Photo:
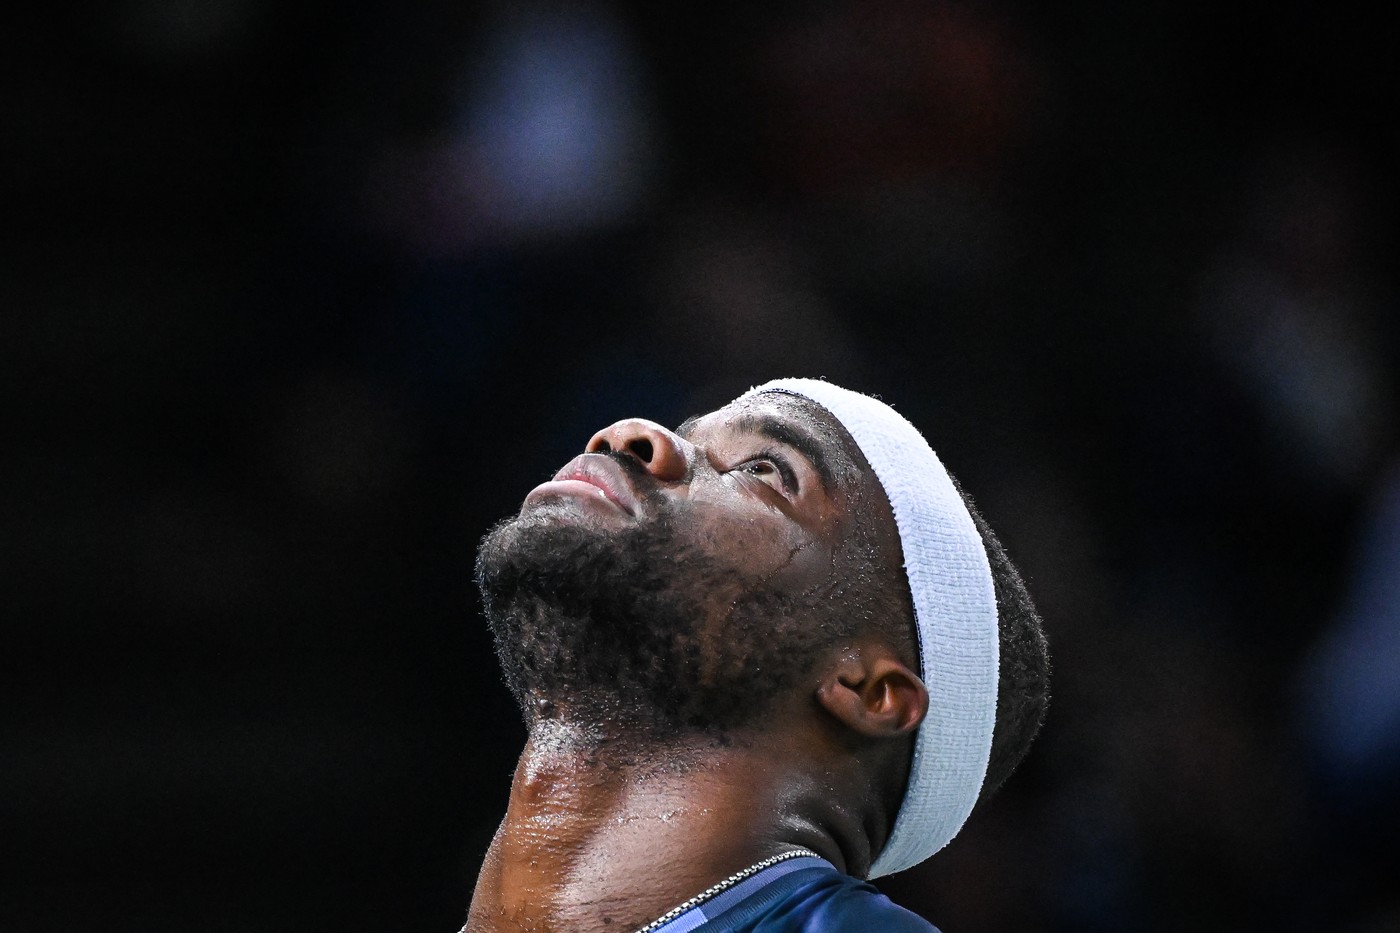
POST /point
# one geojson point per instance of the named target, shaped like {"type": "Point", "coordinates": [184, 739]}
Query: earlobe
{"type": "Point", "coordinates": [872, 693]}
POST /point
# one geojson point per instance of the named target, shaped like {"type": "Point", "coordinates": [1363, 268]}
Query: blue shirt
{"type": "Point", "coordinates": [799, 895]}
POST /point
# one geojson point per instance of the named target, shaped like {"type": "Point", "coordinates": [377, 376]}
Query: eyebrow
{"type": "Point", "coordinates": [784, 433]}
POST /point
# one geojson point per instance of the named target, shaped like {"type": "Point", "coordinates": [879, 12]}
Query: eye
{"type": "Point", "coordinates": [770, 465]}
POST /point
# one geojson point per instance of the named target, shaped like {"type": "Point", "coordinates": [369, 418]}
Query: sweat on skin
{"type": "Point", "coordinates": [709, 634]}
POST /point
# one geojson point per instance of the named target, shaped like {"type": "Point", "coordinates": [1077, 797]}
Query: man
{"type": "Point", "coordinates": [760, 658]}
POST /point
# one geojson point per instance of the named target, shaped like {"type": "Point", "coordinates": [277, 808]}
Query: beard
{"type": "Point", "coordinates": [643, 629]}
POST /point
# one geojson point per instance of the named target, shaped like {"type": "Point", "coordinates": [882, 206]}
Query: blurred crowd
{"type": "Point", "coordinates": [302, 299]}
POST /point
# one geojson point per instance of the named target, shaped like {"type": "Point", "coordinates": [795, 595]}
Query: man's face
{"type": "Point", "coordinates": [676, 581]}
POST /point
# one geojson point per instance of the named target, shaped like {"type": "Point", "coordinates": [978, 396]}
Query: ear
{"type": "Point", "coordinates": [871, 692]}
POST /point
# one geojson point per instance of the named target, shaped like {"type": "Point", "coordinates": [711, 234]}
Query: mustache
{"type": "Point", "coordinates": [647, 487]}
{"type": "Point", "coordinates": [629, 464]}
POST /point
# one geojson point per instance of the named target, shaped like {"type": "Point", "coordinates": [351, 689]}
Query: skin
{"type": "Point", "coordinates": [602, 836]}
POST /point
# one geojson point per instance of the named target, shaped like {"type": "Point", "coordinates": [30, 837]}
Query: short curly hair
{"type": "Point", "coordinates": [1023, 678]}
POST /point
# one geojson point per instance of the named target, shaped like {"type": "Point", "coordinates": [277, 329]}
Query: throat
{"type": "Point", "coordinates": [594, 843]}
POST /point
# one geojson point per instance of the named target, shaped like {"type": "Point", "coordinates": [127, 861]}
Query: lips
{"type": "Point", "coordinates": [591, 475]}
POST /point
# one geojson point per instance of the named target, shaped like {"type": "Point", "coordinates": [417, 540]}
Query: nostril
{"type": "Point", "coordinates": [642, 448]}
{"type": "Point", "coordinates": [602, 447]}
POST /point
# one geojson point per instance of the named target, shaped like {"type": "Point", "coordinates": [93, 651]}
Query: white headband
{"type": "Point", "coordinates": [955, 614]}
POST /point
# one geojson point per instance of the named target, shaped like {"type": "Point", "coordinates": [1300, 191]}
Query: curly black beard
{"type": "Point", "coordinates": [637, 629]}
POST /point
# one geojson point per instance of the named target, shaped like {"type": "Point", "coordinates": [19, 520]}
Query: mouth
{"type": "Point", "coordinates": [591, 477]}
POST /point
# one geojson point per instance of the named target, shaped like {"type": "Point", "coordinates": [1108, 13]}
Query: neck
{"type": "Point", "coordinates": [595, 840]}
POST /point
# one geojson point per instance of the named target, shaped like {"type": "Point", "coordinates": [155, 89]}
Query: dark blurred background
{"type": "Point", "coordinates": [300, 298]}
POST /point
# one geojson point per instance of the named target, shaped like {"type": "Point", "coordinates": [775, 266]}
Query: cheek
{"type": "Point", "coordinates": [761, 544]}
{"type": "Point", "coordinates": [728, 519]}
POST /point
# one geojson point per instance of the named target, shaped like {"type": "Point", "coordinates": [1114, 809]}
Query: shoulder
{"type": "Point", "coordinates": [827, 901]}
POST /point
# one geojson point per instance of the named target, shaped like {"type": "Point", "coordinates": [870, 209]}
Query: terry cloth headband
{"type": "Point", "coordinates": [955, 615]}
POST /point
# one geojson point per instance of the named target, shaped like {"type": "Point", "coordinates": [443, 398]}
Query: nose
{"type": "Point", "coordinates": [664, 454]}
